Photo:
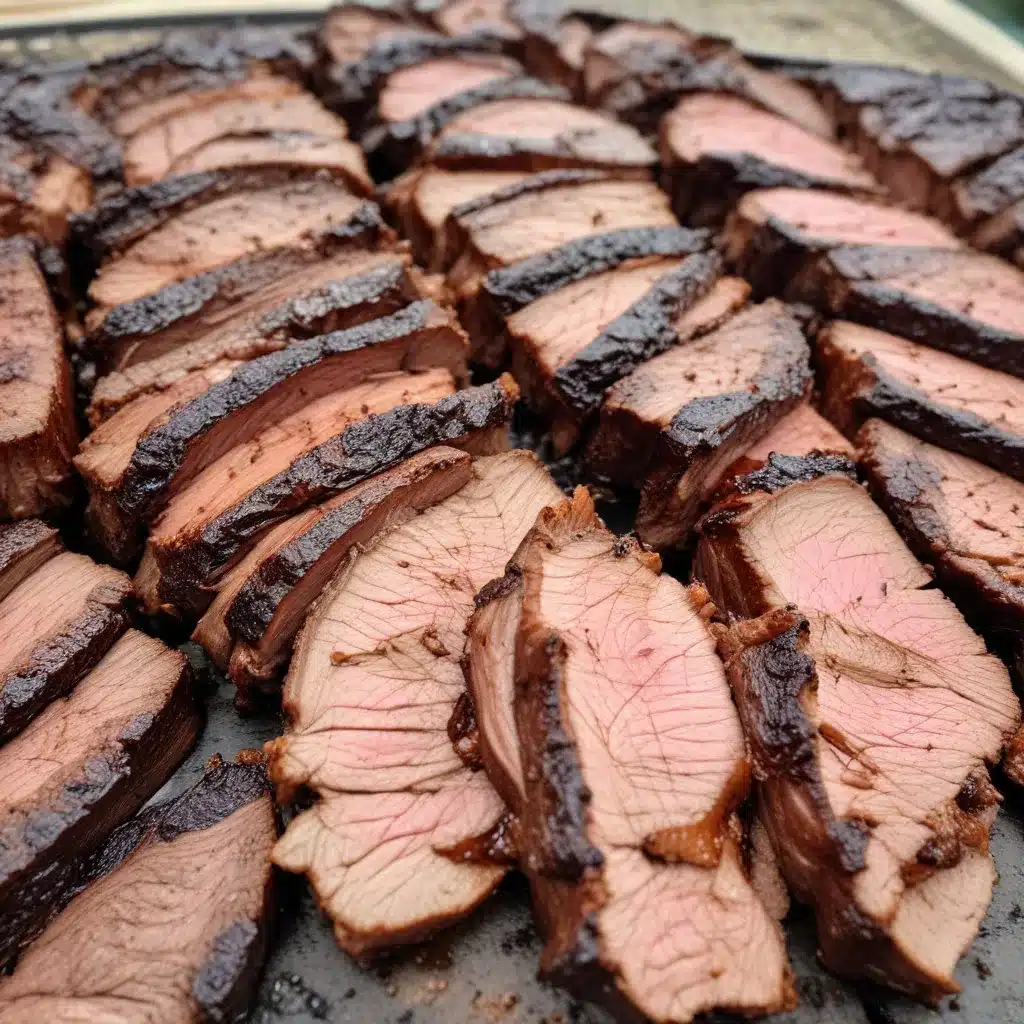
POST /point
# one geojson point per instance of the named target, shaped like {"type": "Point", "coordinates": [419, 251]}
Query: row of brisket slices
{"type": "Point", "coordinates": [284, 444]}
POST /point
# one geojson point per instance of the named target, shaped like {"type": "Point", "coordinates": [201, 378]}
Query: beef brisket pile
{"type": "Point", "coordinates": [774, 313]}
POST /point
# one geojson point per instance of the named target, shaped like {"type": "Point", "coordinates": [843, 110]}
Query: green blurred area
{"type": "Point", "coordinates": [1007, 14]}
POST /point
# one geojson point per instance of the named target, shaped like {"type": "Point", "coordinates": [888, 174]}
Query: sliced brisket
{"type": "Point", "coordinates": [960, 301]}
{"type": "Point", "coordinates": [84, 766]}
{"type": "Point", "coordinates": [38, 434]}
{"type": "Point", "coordinates": [24, 547]}
{"type": "Point", "coordinates": [632, 846]}
{"type": "Point", "coordinates": [348, 31]}
{"type": "Point", "coordinates": [674, 425]}
{"type": "Point", "coordinates": [942, 399]}
{"type": "Point", "coordinates": [1004, 234]}
{"type": "Point", "coordinates": [716, 147]}
{"type": "Point", "coordinates": [872, 711]}
{"type": "Point", "coordinates": [175, 926]}
{"type": "Point", "coordinates": [370, 693]}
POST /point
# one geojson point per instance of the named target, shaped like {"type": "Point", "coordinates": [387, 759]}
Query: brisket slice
{"type": "Point", "coordinates": [262, 602]}
{"type": "Point", "coordinates": [674, 425]}
{"type": "Point", "coordinates": [174, 925]}
{"type": "Point", "coordinates": [989, 192]}
{"type": "Point", "coordinates": [872, 711]}
{"type": "Point", "coordinates": [716, 147]}
{"type": "Point", "coordinates": [1004, 234]}
{"type": "Point", "coordinates": [57, 623]}
{"type": "Point", "coordinates": [24, 547]}
{"type": "Point", "coordinates": [186, 564]}
{"type": "Point", "coordinates": [960, 301]}
{"type": "Point", "coordinates": [630, 845]}
{"type": "Point", "coordinates": [941, 399]}
{"type": "Point", "coordinates": [553, 46]}
{"type": "Point", "coordinates": [38, 434]}
{"type": "Point", "coordinates": [348, 31]}
{"type": "Point", "coordinates": [958, 515]}
{"type": "Point", "coordinates": [370, 693]}
{"type": "Point", "coordinates": [774, 234]}
{"type": "Point", "coordinates": [84, 766]}
{"type": "Point", "coordinates": [220, 231]}
{"type": "Point", "coordinates": [276, 385]}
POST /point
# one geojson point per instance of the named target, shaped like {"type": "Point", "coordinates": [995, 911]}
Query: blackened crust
{"type": "Point", "coordinates": [780, 471]}
{"type": "Point", "coordinates": [24, 546]}
{"type": "Point", "coordinates": [557, 178]}
{"type": "Point", "coordinates": [500, 587]}
{"type": "Point", "coordinates": [509, 289]}
{"type": "Point", "coordinates": [226, 982]}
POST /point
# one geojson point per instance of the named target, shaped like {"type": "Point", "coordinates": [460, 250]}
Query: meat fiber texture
{"type": "Point", "coordinates": [175, 923]}
{"type": "Point", "coordinates": [24, 547]}
{"type": "Point", "coordinates": [873, 713]}
{"type": "Point", "coordinates": [372, 686]}
{"type": "Point", "coordinates": [632, 847]}
{"type": "Point", "coordinates": [38, 433]}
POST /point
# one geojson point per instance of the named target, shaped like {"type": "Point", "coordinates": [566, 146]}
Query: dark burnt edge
{"type": "Point", "coordinates": [645, 330]}
{"type": "Point", "coordinates": [510, 289]}
{"type": "Point", "coordinates": [464, 732]}
{"type": "Point", "coordinates": [110, 782]}
{"type": "Point", "coordinates": [225, 985]}
{"type": "Point", "coordinates": [781, 471]}
{"type": "Point", "coordinates": [774, 255]}
{"type": "Point", "coordinates": [540, 182]}
{"type": "Point", "coordinates": [160, 453]}
{"type": "Point", "coordinates": [391, 147]}
{"type": "Point", "coordinates": [477, 151]}
{"type": "Point", "coordinates": [19, 542]}
{"type": "Point", "coordinates": [992, 190]}
{"type": "Point", "coordinates": [500, 586]}
{"type": "Point", "coordinates": [363, 449]}
{"type": "Point", "coordinates": [889, 309]}
{"type": "Point", "coordinates": [57, 664]}
{"type": "Point", "coordinates": [159, 310]}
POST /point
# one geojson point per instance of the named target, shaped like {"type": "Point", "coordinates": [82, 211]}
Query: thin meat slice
{"type": "Point", "coordinates": [38, 433]}
{"type": "Point", "coordinates": [774, 234]}
{"type": "Point", "coordinates": [219, 231]}
{"type": "Point", "coordinates": [958, 515]}
{"type": "Point", "coordinates": [57, 624]}
{"type": "Point", "coordinates": [716, 147]}
{"type": "Point", "coordinates": [195, 952]}
{"type": "Point", "coordinates": [262, 602]}
{"type": "Point", "coordinates": [83, 767]}
{"type": "Point", "coordinates": [960, 301]}
{"type": "Point", "coordinates": [274, 386]}
{"type": "Point", "coordinates": [373, 684]}
{"type": "Point", "coordinates": [947, 401]}
{"type": "Point", "coordinates": [674, 425]}
{"type": "Point", "coordinates": [632, 846]}
{"type": "Point", "coordinates": [24, 547]}
{"type": "Point", "coordinates": [872, 711]}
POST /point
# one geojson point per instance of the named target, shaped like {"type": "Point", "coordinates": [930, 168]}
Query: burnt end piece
{"type": "Point", "coordinates": [24, 546]}
{"type": "Point", "coordinates": [509, 289]}
{"type": "Point", "coordinates": [364, 448]}
{"type": "Point", "coordinates": [390, 148]}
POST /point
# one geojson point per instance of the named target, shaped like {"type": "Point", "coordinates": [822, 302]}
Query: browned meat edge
{"type": "Point", "coordinates": [117, 784]}
{"type": "Point", "coordinates": [24, 546]}
{"type": "Point", "coordinates": [528, 186]}
{"type": "Point", "coordinates": [773, 256]}
{"type": "Point", "coordinates": [991, 191]}
{"type": "Point", "coordinates": [849, 274]}
{"type": "Point", "coordinates": [391, 147]}
{"type": "Point", "coordinates": [362, 449]}
{"type": "Point", "coordinates": [219, 288]}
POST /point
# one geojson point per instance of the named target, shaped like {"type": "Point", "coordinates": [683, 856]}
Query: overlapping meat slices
{"type": "Point", "coordinates": [673, 426]}
{"type": "Point", "coordinates": [195, 951]}
{"type": "Point", "coordinates": [871, 725]}
{"type": "Point", "coordinates": [84, 766]}
{"type": "Point", "coordinates": [774, 234]}
{"type": "Point", "coordinates": [715, 147]}
{"type": "Point", "coordinates": [632, 847]}
{"type": "Point", "coordinates": [38, 434]}
{"type": "Point", "coordinates": [948, 401]}
{"type": "Point", "coordinates": [369, 696]}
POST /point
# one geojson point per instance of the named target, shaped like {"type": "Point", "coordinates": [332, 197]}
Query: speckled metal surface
{"type": "Point", "coordinates": [484, 970]}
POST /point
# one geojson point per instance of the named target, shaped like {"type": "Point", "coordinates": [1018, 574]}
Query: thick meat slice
{"type": "Point", "coordinates": [963, 301]}
{"type": "Point", "coordinates": [234, 478]}
{"type": "Point", "coordinates": [632, 845]}
{"type": "Point", "coordinates": [272, 387]}
{"type": "Point", "coordinates": [674, 425]}
{"type": "Point", "coordinates": [84, 766]}
{"type": "Point", "coordinates": [538, 134]}
{"type": "Point", "coordinates": [960, 516]}
{"type": "Point", "coordinates": [871, 723]}
{"type": "Point", "coordinates": [942, 399]}
{"type": "Point", "coordinates": [774, 234]}
{"type": "Point", "coordinates": [262, 602]}
{"type": "Point", "coordinates": [219, 231]}
{"type": "Point", "coordinates": [57, 623]}
{"type": "Point", "coordinates": [372, 687]}
{"type": "Point", "coordinates": [715, 147]}
{"type": "Point", "coordinates": [176, 925]}
{"type": "Point", "coordinates": [38, 435]}
{"type": "Point", "coordinates": [24, 547]}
